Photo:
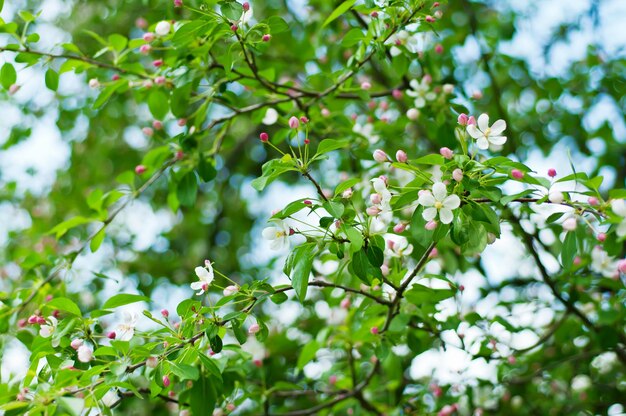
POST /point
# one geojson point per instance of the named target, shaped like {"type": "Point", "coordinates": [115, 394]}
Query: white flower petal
{"type": "Point", "coordinates": [452, 202]}
{"type": "Point", "coordinates": [202, 273]}
{"type": "Point", "coordinates": [621, 229]}
{"type": "Point", "coordinates": [473, 131]}
{"type": "Point", "coordinates": [271, 117]}
{"type": "Point", "coordinates": [429, 214]}
{"type": "Point", "coordinates": [497, 140]}
{"type": "Point", "coordinates": [619, 207]}
{"type": "Point", "coordinates": [440, 191]}
{"type": "Point", "coordinates": [426, 199]}
{"type": "Point", "coordinates": [269, 233]}
{"type": "Point", "coordinates": [445, 215]}
{"type": "Point", "coordinates": [498, 127]}
{"type": "Point", "coordinates": [482, 143]}
{"type": "Point", "coordinates": [483, 122]}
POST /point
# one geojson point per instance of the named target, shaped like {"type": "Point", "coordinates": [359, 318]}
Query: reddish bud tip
{"type": "Point", "coordinates": [246, 6]}
{"type": "Point", "coordinates": [551, 172]}
{"type": "Point", "coordinates": [517, 174]}
{"type": "Point", "coordinates": [115, 77]}
{"type": "Point", "coordinates": [140, 169]}
{"type": "Point", "coordinates": [439, 48]}
{"type": "Point", "coordinates": [429, 19]}
{"type": "Point", "coordinates": [374, 14]}
{"type": "Point", "coordinates": [178, 3]}
{"type": "Point", "coordinates": [601, 237]}
{"type": "Point", "coordinates": [165, 313]}
{"type": "Point", "coordinates": [111, 335]}
{"type": "Point", "coordinates": [397, 94]}
{"type": "Point", "coordinates": [166, 381]}
{"type": "Point", "coordinates": [374, 330]}
{"type": "Point", "coordinates": [157, 63]}
{"type": "Point", "coordinates": [264, 137]}
{"type": "Point", "coordinates": [266, 38]}
{"type": "Point", "coordinates": [307, 141]}
{"type": "Point", "coordinates": [307, 202]}
{"type": "Point", "coordinates": [234, 28]}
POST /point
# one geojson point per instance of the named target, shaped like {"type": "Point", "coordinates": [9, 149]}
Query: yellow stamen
{"type": "Point", "coordinates": [488, 131]}
{"type": "Point", "coordinates": [438, 205]}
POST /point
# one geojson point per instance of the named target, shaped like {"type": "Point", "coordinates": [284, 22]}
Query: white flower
{"type": "Point", "coordinates": [271, 117]}
{"type": "Point", "coordinates": [163, 28]}
{"type": "Point", "coordinates": [438, 202]}
{"type": "Point", "coordinates": [85, 354]}
{"type": "Point", "coordinates": [485, 135]}
{"type": "Point", "coordinates": [399, 247]}
{"type": "Point", "coordinates": [601, 262]}
{"type": "Point", "coordinates": [47, 330]}
{"type": "Point", "coordinates": [126, 330]}
{"type": "Point", "coordinates": [381, 189]}
{"type": "Point", "coordinates": [619, 208]}
{"type": "Point", "coordinates": [421, 91]}
{"type": "Point", "coordinates": [366, 130]}
{"type": "Point", "coordinates": [205, 276]}
{"type": "Point", "coordinates": [404, 38]}
{"type": "Point", "coordinates": [278, 235]}
{"type": "Point", "coordinates": [110, 398]}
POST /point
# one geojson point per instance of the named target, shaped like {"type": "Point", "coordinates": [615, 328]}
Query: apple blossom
{"type": "Point", "coordinates": [127, 328]}
{"type": "Point", "coordinates": [85, 354]}
{"type": "Point", "coordinates": [412, 113]}
{"type": "Point", "coordinates": [570, 224]}
{"type": "Point", "coordinates": [152, 362]}
{"type": "Point", "coordinates": [457, 175]}
{"type": "Point", "coordinates": [401, 156]}
{"type": "Point", "coordinates": [347, 193]}
{"type": "Point", "coordinates": [593, 201]}
{"type": "Point", "coordinates": [366, 85]}
{"type": "Point", "coordinates": [205, 278]}
{"type": "Point", "coordinates": [438, 202]}
{"type": "Point", "coordinates": [254, 328]}
{"type": "Point", "coordinates": [446, 152]}
{"type": "Point", "coordinates": [485, 135]}
{"type": "Point", "coordinates": [14, 88]}
{"type": "Point", "coordinates": [166, 381]}
{"type": "Point", "coordinates": [148, 37]}
{"type": "Point", "coordinates": [421, 91]}
{"type": "Point", "coordinates": [230, 290]}
{"type": "Point", "coordinates": [48, 329]}
{"type": "Point", "coordinates": [278, 235]}
{"type": "Point", "coordinates": [94, 83]}
{"type": "Point", "coordinates": [163, 28]}
{"type": "Point", "coordinates": [380, 156]}
{"type": "Point", "coordinates": [462, 119]}
{"type": "Point", "coordinates": [621, 266]}
{"type": "Point", "coordinates": [294, 123]}
{"type": "Point", "coordinates": [399, 228]}
{"type": "Point", "coordinates": [555, 197]}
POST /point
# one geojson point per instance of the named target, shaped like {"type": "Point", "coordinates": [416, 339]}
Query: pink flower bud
{"type": "Point", "coordinates": [157, 124]}
{"type": "Point", "coordinates": [160, 80]}
{"type": "Point", "coordinates": [140, 169]}
{"type": "Point", "coordinates": [399, 228]}
{"type": "Point", "coordinates": [111, 335]}
{"type": "Point", "coordinates": [345, 303]}
{"type": "Point", "coordinates": [234, 27]}
{"type": "Point", "coordinates": [258, 363]}
{"type": "Point", "coordinates": [325, 112]}
{"type": "Point", "coordinates": [157, 63]}
{"type": "Point", "coordinates": [471, 120]}
{"type": "Point", "coordinates": [165, 313]}
{"type": "Point", "coordinates": [461, 288]}
{"type": "Point", "coordinates": [365, 85]}
{"type": "Point", "coordinates": [148, 131]}
{"type": "Point", "coordinates": [601, 237]}
{"type": "Point", "coordinates": [457, 175]}
{"type": "Point", "coordinates": [13, 88]}
{"type": "Point", "coordinates": [397, 94]}
{"type": "Point", "coordinates": [435, 4]}
{"type": "Point", "coordinates": [179, 155]}
{"type": "Point", "coordinates": [511, 359]}
{"type": "Point", "coordinates": [462, 119]}
{"type": "Point", "coordinates": [401, 156]}
{"type": "Point", "coordinates": [552, 172]}
{"type": "Point", "coordinates": [141, 23]}
{"type": "Point", "coordinates": [429, 19]}
{"type": "Point", "coordinates": [76, 343]}
{"type": "Point", "coordinates": [148, 37]}
{"type": "Point", "coordinates": [347, 193]}
{"type": "Point", "coordinates": [115, 77]}
{"type": "Point", "coordinates": [374, 330]}
{"type": "Point", "coordinates": [517, 174]}
{"type": "Point", "coordinates": [152, 362]}
{"type": "Point", "coordinates": [264, 137]}
{"type": "Point", "coordinates": [380, 156]}
{"type": "Point", "coordinates": [431, 225]}
{"type": "Point", "coordinates": [254, 328]}
{"type": "Point", "coordinates": [230, 290]}
{"type": "Point", "coordinates": [439, 48]}
{"type": "Point", "coordinates": [166, 381]}
{"type": "Point", "coordinates": [147, 84]}
{"type": "Point", "coordinates": [621, 266]}
{"type": "Point", "coordinates": [332, 380]}
{"type": "Point", "coordinates": [577, 261]}
{"type": "Point", "coordinates": [266, 38]}
{"type": "Point", "coordinates": [32, 319]}
{"type": "Point", "coordinates": [446, 152]}
{"type": "Point", "coordinates": [246, 6]}
{"type": "Point", "coordinates": [477, 95]}
{"type": "Point", "coordinates": [178, 3]}
{"type": "Point", "coordinates": [41, 320]}
{"type": "Point", "coordinates": [230, 407]}
{"type": "Point", "coordinates": [304, 120]}
{"type": "Point", "coordinates": [22, 323]}
{"type": "Point", "coordinates": [294, 123]}
{"type": "Point", "coordinates": [373, 211]}
{"type": "Point", "coordinates": [593, 201]}
{"type": "Point", "coordinates": [374, 14]}
{"type": "Point", "coordinates": [145, 49]}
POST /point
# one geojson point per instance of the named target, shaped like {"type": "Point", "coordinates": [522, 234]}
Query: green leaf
{"type": "Point", "coordinates": [279, 297]}
{"type": "Point", "coordinates": [328, 145]}
{"type": "Point", "coordinates": [124, 299]}
{"type": "Point", "coordinates": [216, 343]}
{"type": "Point", "coordinates": [202, 397]}
{"type": "Point", "coordinates": [65, 305]}
{"type": "Point", "coordinates": [187, 189]}
{"type": "Point", "coordinates": [184, 371]}
{"type": "Point", "coordinates": [299, 265]}
{"type": "Point", "coordinates": [346, 185]}
{"type": "Point", "coordinates": [158, 103]}
{"type": "Point", "coordinates": [341, 9]}
{"type": "Point", "coordinates": [307, 353]}
{"type": "Point", "coordinates": [568, 251]}
{"type": "Point", "coordinates": [62, 228]}
{"type": "Point", "coordinates": [118, 42]}
{"type": "Point", "coordinates": [353, 37]}
{"type": "Point", "coordinates": [355, 237]}
{"type": "Point", "coordinates": [97, 240]}
{"type": "Point", "coordinates": [271, 171]}
{"type": "Point", "coordinates": [8, 75]}
{"type": "Point", "coordinates": [277, 25]}
{"type": "Point", "coordinates": [231, 10]}
{"type": "Point", "coordinates": [334, 208]}
{"type": "Point", "coordinates": [419, 295]}
{"type": "Point", "coordinates": [375, 256]}
{"type": "Point", "coordinates": [360, 266]}
{"type": "Point", "coordinates": [206, 169]}
{"type": "Point", "coordinates": [52, 79]}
